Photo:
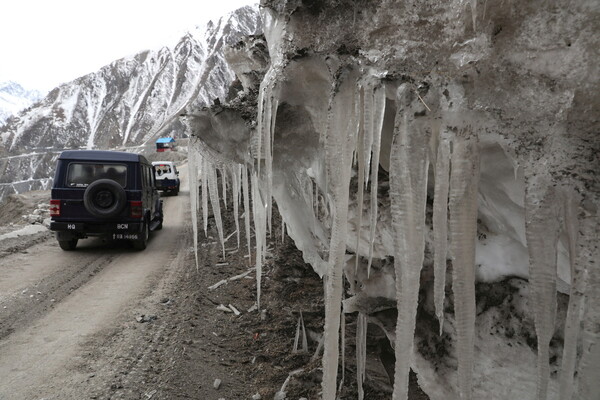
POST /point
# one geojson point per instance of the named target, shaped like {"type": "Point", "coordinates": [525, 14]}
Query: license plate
{"type": "Point", "coordinates": [125, 236]}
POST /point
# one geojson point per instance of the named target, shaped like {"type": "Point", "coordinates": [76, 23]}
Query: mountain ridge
{"type": "Point", "coordinates": [125, 104]}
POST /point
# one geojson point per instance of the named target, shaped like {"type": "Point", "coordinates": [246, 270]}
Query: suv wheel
{"type": "Point", "coordinates": [104, 198]}
{"type": "Point", "coordinates": [142, 242]}
{"type": "Point", "coordinates": [68, 245]}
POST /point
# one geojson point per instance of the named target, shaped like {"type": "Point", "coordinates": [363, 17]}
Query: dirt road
{"type": "Point", "coordinates": [77, 325]}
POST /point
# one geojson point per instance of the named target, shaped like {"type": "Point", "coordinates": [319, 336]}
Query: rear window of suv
{"type": "Point", "coordinates": [82, 174]}
{"type": "Point", "coordinates": [162, 169]}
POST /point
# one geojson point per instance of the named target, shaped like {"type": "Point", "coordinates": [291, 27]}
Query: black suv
{"type": "Point", "coordinates": [104, 193]}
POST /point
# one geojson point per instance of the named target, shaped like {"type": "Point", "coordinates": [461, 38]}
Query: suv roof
{"type": "Point", "coordinates": [100, 155]}
{"type": "Point", "coordinates": [162, 162]}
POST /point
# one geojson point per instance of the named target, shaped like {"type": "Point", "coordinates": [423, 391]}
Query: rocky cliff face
{"type": "Point", "coordinates": [441, 156]}
{"type": "Point", "coordinates": [126, 104]}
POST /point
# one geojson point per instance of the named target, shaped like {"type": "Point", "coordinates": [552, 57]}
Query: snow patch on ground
{"type": "Point", "coordinates": [27, 230]}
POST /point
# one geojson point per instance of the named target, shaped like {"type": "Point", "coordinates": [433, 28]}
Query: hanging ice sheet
{"type": "Point", "coordinates": [378, 114]}
{"type": "Point", "coordinates": [236, 173]}
{"type": "Point", "coordinates": [260, 229]}
{"type": "Point", "coordinates": [247, 211]}
{"type": "Point", "coordinates": [340, 142]}
{"type": "Point", "coordinates": [361, 352]}
{"type": "Point", "coordinates": [215, 202]}
{"type": "Point", "coordinates": [408, 191]}
{"type": "Point", "coordinates": [462, 204]}
{"type": "Point", "coordinates": [589, 384]}
{"type": "Point", "coordinates": [542, 229]}
{"type": "Point", "coordinates": [267, 113]}
{"type": "Point", "coordinates": [193, 162]}
{"type": "Point", "coordinates": [574, 312]}
{"type": "Point", "coordinates": [204, 182]}
{"type": "Point", "coordinates": [440, 222]}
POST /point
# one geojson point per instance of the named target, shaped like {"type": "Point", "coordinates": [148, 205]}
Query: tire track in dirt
{"type": "Point", "coordinates": [23, 308]}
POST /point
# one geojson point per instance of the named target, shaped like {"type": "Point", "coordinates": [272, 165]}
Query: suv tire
{"type": "Point", "coordinates": [68, 245]}
{"type": "Point", "coordinates": [142, 242]}
{"type": "Point", "coordinates": [104, 198]}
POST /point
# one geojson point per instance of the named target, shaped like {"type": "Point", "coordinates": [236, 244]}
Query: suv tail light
{"type": "Point", "coordinates": [55, 208]}
{"type": "Point", "coordinates": [136, 209]}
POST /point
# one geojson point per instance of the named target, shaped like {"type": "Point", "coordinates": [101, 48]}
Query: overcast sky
{"type": "Point", "coordinates": [44, 43]}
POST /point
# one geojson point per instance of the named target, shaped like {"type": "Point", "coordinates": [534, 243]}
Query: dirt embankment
{"type": "Point", "coordinates": [16, 209]}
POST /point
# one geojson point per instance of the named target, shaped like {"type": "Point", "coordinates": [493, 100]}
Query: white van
{"type": "Point", "coordinates": [167, 176]}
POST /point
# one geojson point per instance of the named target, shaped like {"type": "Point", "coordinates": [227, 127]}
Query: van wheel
{"type": "Point", "coordinates": [142, 242]}
{"type": "Point", "coordinates": [68, 245]}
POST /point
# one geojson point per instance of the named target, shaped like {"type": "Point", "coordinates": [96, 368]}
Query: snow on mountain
{"type": "Point", "coordinates": [127, 103]}
{"type": "Point", "coordinates": [14, 98]}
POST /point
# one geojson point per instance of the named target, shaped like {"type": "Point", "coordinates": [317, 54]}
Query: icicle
{"type": "Point", "coordinates": [304, 337]}
{"type": "Point", "coordinates": [464, 179]}
{"type": "Point", "coordinates": [300, 335]}
{"type": "Point", "coordinates": [297, 337]}
{"type": "Point", "coordinates": [204, 179]}
{"type": "Point", "coordinates": [224, 182]}
{"type": "Point", "coordinates": [360, 155]}
{"type": "Point", "coordinates": [589, 254]}
{"type": "Point", "coordinates": [361, 352]}
{"type": "Point", "coordinates": [542, 231]}
{"type": "Point", "coordinates": [474, 14]}
{"type": "Point", "coordinates": [440, 224]}
{"type": "Point", "coordinates": [366, 142]}
{"type": "Point", "coordinates": [267, 113]}
{"type": "Point", "coordinates": [193, 184]}
{"type": "Point", "coordinates": [239, 179]}
{"type": "Point", "coordinates": [379, 101]}
{"type": "Point", "coordinates": [340, 141]}
{"type": "Point", "coordinates": [316, 200]}
{"type": "Point", "coordinates": [574, 312]}
{"type": "Point", "coordinates": [214, 201]}
{"type": "Point", "coordinates": [260, 233]}
{"type": "Point", "coordinates": [310, 193]}
{"type": "Point", "coordinates": [259, 126]}
{"type": "Point", "coordinates": [408, 192]}
{"type": "Point", "coordinates": [269, 163]}
{"type": "Point", "coordinates": [343, 346]}
{"type": "Point", "coordinates": [235, 189]}
{"type": "Point", "coordinates": [246, 209]}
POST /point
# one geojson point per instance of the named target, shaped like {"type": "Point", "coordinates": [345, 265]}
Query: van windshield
{"type": "Point", "coordinates": [82, 174]}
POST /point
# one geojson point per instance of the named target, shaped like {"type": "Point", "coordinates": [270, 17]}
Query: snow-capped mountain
{"type": "Point", "coordinates": [14, 98]}
{"type": "Point", "coordinates": [125, 104]}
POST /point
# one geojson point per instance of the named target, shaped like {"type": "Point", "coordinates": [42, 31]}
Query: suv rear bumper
{"type": "Point", "coordinates": [84, 229]}
{"type": "Point", "coordinates": [167, 184]}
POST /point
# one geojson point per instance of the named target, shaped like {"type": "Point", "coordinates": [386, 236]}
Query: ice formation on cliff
{"type": "Point", "coordinates": [459, 170]}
